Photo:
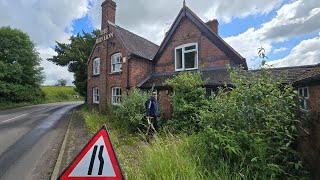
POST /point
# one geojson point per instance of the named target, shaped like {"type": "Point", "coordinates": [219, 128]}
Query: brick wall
{"type": "Point", "coordinates": [187, 32]}
{"type": "Point", "coordinates": [139, 69]}
{"type": "Point", "coordinates": [314, 97]}
{"type": "Point", "coordinates": [165, 103]}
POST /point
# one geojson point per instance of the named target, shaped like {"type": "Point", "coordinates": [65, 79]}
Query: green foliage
{"type": "Point", "coordinates": [188, 100]}
{"type": "Point", "coordinates": [20, 74]}
{"type": "Point", "coordinates": [166, 158]}
{"type": "Point", "coordinates": [252, 127]}
{"type": "Point", "coordinates": [19, 61]}
{"type": "Point", "coordinates": [130, 114]}
{"type": "Point", "coordinates": [60, 94]}
{"type": "Point", "coordinates": [75, 55]}
{"type": "Point", "coordinates": [17, 93]}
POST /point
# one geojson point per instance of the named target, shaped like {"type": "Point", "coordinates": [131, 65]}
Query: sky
{"type": "Point", "coordinates": [289, 30]}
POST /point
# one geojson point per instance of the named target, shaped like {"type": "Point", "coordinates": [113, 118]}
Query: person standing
{"type": "Point", "coordinates": [152, 113]}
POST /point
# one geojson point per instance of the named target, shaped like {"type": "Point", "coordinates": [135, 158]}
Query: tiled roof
{"type": "Point", "coordinates": [220, 76]}
{"type": "Point", "coordinates": [135, 44]}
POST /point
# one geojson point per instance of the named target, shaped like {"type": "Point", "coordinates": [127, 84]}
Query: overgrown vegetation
{"type": "Point", "coordinates": [130, 114]}
{"type": "Point", "coordinates": [247, 130]}
{"type": "Point", "coordinates": [188, 101]}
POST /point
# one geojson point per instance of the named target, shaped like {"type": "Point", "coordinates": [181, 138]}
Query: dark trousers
{"type": "Point", "coordinates": [154, 123]}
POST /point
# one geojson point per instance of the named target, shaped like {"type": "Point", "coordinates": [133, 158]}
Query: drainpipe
{"type": "Point", "coordinates": [128, 71]}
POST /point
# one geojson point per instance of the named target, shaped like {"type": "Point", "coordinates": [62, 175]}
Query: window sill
{"type": "Point", "coordinates": [115, 73]}
{"type": "Point", "coordinates": [96, 103]}
{"type": "Point", "coordinates": [95, 75]}
{"type": "Point", "coordinates": [187, 69]}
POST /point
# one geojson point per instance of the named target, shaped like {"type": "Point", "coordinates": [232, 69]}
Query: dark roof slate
{"type": "Point", "coordinates": [135, 44]}
{"type": "Point", "coordinates": [220, 76]}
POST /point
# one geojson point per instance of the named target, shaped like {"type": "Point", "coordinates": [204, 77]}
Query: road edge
{"type": "Point", "coordinates": [55, 173]}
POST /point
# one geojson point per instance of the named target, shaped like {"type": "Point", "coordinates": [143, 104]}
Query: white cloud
{"type": "Point", "coordinates": [292, 20]}
{"type": "Point", "coordinates": [52, 71]}
{"type": "Point", "coordinates": [45, 21]}
{"type": "Point", "coordinates": [150, 19]}
{"type": "Point", "coordinates": [307, 52]}
{"type": "Point", "coordinates": [279, 50]}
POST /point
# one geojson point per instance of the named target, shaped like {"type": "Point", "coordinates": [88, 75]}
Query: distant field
{"type": "Point", "coordinates": [60, 94]}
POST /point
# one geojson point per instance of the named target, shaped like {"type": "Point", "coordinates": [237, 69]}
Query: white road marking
{"type": "Point", "coordinates": [14, 118]}
{"type": "Point", "coordinates": [23, 115]}
{"type": "Point", "coordinates": [39, 109]}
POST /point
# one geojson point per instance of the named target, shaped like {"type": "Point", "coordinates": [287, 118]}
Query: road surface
{"type": "Point", "coordinates": [30, 138]}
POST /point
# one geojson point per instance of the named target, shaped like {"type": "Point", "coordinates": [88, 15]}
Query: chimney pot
{"type": "Point", "coordinates": [213, 25]}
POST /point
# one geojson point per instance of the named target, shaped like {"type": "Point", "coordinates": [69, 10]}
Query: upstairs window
{"type": "Point", "coordinates": [186, 57]}
{"type": "Point", "coordinates": [96, 66]}
{"type": "Point", "coordinates": [304, 98]}
{"type": "Point", "coordinates": [116, 96]}
{"type": "Point", "coordinates": [95, 95]}
{"type": "Point", "coordinates": [116, 63]}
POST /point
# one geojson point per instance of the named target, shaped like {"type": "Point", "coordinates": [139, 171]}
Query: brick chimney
{"type": "Point", "coordinates": [108, 12]}
{"type": "Point", "coordinates": [213, 25]}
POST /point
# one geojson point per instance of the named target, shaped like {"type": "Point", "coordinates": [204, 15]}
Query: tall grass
{"type": "Point", "coordinates": [166, 157]}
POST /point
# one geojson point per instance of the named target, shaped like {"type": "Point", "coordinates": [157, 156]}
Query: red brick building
{"type": "Point", "coordinates": [122, 60]}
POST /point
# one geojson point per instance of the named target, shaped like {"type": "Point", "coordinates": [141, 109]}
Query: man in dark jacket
{"type": "Point", "coordinates": [152, 111]}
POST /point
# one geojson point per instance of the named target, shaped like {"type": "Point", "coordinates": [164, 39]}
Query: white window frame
{"type": "Point", "coordinates": [183, 54]}
{"type": "Point", "coordinates": [304, 99]}
{"type": "Point", "coordinates": [96, 66]}
{"type": "Point", "coordinates": [95, 95]}
{"type": "Point", "coordinates": [116, 98]}
{"type": "Point", "coordinates": [116, 59]}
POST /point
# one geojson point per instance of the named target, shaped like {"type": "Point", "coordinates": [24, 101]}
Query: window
{"type": "Point", "coordinates": [186, 57]}
{"type": "Point", "coordinates": [304, 98]}
{"type": "Point", "coordinates": [116, 63]}
{"type": "Point", "coordinates": [96, 66]}
{"type": "Point", "coordinates": [116, 96]}
{"type": "Point", "coordinates": [96, 95]}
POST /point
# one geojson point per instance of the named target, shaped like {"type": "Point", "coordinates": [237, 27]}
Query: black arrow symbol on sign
{"type": "Point", "coordinates": [93, 158]}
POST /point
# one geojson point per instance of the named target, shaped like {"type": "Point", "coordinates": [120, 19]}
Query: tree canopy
{"type": "Point", "coordinates": [75, 55]}
{"type": "Point", "coordinates": [19, 61]}
{"type": "Point", "coordinates": [20, 73]}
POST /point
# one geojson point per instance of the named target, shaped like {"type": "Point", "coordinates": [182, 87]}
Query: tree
{"type": "Point", "coordinates": [62, 82]}
{"type": "Point", "coordinates": [19, 61]}
{"type": "Point", "coordinates": [75, 55]}
{"type": "Point", "coordinates": [20, 73]}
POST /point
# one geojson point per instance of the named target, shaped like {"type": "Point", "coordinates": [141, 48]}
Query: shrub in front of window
{"type": "Point", "coordinates": [131, 112]}
{"type": "Point", "coordinates": [188, 100]}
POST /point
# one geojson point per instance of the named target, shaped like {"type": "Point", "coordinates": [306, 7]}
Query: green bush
{"type": "Point", "coordinates": [252, 127]}
{"type": "Point", "coordinates": [188, 100]}
{"type": "Point", "coordinates": [130, 114]}
{"type": "Point", "coordinates": [20, 93]}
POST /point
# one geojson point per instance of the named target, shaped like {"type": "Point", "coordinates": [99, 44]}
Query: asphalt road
{"type": "Point", "coordinates": [30, 138]}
